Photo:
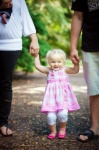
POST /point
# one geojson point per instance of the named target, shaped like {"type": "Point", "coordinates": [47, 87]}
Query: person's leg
{"type": "Point", "coordinates": [91, 75]}
{"type": "Point", "coordinates": [94, 110]}
{"type": "Point", "coordinates": [51, 118]}
{"type": "Point", "coordinates": [7, 63]}
{"type": "Point", "coordinates": [62, 117]}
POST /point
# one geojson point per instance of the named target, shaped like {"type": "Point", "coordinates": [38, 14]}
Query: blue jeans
{"type": "Point", "coordinates": [8, 61]}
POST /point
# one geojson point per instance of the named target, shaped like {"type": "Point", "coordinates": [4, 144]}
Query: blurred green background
{"type": "Point", "coordinates": [52, 19]}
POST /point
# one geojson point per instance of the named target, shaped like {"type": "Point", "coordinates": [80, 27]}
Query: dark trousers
{"type": "Point", "coordinates": [8, 61]}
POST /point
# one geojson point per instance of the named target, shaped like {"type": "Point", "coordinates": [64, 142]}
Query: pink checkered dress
{"type": "Point", "coordinates": [58, 93]}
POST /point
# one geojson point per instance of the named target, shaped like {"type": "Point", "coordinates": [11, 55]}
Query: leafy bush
{"type": "Point", "coordinates": [52, 20]}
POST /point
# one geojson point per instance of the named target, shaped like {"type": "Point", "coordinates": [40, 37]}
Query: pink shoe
{"type": "Point", "coordinates": [52, 135]}
{"type": "Point", "coordinates": [62, 133]}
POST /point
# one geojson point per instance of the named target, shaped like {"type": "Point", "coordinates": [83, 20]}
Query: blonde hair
{"type": "Point", "coordinates": [56, 51]}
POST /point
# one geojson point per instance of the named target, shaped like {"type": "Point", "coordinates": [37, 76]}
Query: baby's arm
{"type": "Point", "coordinates": [38, 65]}
{"type": "Point", "coordinates": [72, 70]}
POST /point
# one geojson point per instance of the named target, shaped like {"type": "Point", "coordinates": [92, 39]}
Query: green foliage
{"type": "Point", "coordinates": [52, 19]}
{"type": "Point", "coordinates": [44, 47]}
{"type": "Point", "coordinates": [38, 22]}
{"type": "Point", "coordinates": [25, 61]}
{"type": "Point", "coordinates": [58, 26]}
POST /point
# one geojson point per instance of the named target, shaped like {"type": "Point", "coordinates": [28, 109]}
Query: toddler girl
{"type": "Point", "coordinates": [59, 97]}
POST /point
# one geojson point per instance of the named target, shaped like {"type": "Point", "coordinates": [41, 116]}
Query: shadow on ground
{"type": "Point", "coordinates": [29, 124]}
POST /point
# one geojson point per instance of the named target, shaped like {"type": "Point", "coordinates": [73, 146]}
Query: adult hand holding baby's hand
{"type": "Point", "coordinates": [74, 56]}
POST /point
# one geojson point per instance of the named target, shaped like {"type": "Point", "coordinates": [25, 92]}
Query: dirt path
{"type": "Point", "coordinates": [30, 126]}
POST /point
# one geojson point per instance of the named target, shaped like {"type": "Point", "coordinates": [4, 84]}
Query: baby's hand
{"type": "Point", "coordinates": [77, 63]}
{"type": "Point", "coordinates": [33, 54]}
{"type": "Point", "coordinates": [6, 4]}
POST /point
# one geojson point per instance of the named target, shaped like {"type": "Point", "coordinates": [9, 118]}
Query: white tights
{"type": "Point", "coordinates": [62, 116]}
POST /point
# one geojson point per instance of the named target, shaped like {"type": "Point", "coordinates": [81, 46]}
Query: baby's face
{"type": "Point", "coordinates": [56, 61]}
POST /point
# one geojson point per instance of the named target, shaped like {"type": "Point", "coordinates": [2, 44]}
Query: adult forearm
{"type": "Point", "coordinates": [76, 28]}
{"type": "Point", "coordinates": [33, 37]}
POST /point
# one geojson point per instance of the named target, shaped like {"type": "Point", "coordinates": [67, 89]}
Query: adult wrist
{"type": "Point", "coordinates": [72, 49]}
{"type": "Point", "coordinates": [33, 36]}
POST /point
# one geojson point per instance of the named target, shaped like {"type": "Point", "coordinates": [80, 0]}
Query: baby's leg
{"type": "Point", "coordinates": [62, 117]}
{"type": "Point", "coordinates": [51, 117]}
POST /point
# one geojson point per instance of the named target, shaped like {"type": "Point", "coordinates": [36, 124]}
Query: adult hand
{"type": "Point", "coordinates": [34, 46]}
{"type": "Point", "coordinates": [74, 57]}
{"type": "Point", "coordinates": [6, 4]}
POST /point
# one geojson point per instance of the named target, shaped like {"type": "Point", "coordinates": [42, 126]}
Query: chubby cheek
{"type": "Point", "coordinates": [51, 65]}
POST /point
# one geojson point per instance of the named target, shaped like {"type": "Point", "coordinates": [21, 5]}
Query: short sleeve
{"type": "Point", "coordinates": [78, 5]}
{"type": "Point", "coordinates": [27, 22]}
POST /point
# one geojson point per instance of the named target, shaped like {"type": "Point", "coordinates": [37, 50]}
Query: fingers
{"type": "Point", "coordinates": [34, 52]}
{"type": "Point", "coordinates": [34, 48]}
{"type": "Point", "coordinates": [75, 59]}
